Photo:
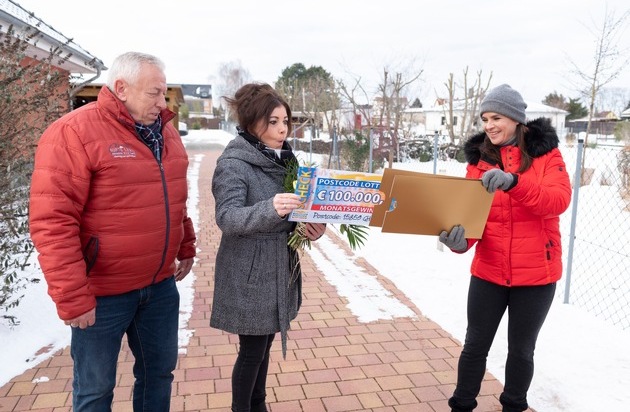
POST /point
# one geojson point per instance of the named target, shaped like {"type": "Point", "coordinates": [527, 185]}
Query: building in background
{"type": "Point", "coordinates": [199, 112]}
{"type": "Point", "coordinates": [435, 117]}
{"type": "Point", "coordinates": [174, 98]}
{"type": "Point", "coordinates": [80, 66]}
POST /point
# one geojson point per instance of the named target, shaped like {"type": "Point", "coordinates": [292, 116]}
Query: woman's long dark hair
{"type": "Point", "coordinates": [493, 153]}
{"type": "Point", "coordinates": [253, 103]}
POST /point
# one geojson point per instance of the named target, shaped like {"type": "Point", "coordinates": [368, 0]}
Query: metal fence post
{"type": "Point", "coordinates": [435, 151]}
{"type": "Point", "coordinates": [370, 156]}
{"type": "Point", "coordinates": [577, 181]}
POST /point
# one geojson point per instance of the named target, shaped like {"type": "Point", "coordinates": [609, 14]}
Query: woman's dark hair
{"type": "Point", "coordinates": [254, 102]}
{"type": "Point", "coordinates": [493, 152]}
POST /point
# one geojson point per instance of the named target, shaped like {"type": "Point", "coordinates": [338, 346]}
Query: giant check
{"type": "Point", "coordinates": [335, 196]}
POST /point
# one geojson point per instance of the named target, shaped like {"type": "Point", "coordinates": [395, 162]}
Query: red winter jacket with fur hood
{"type": "Point", "coordinates": [520, 245]}
{"type": "Point", "coordinates": [105, 216]}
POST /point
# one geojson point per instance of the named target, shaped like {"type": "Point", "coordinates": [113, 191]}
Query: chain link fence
{"type": "Point", "coordinates": [595, 229]}
{"type": "Point", "coordinates": [596, 232]}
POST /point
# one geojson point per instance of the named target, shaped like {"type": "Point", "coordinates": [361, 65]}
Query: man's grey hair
{"type": "Point", "coordinates": [127, 67]}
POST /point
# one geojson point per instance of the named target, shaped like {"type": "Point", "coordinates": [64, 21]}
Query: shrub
{"type": "Point", "coordinates": [421, 150]}
{"type": "Point", "coordinates": [33, 92]}
{"type": "Point", "coordinates": [622, 131]}
{"type": "Point", "coordinates": [355, 151]}
{"type": "Point", "coordinates": [623, 164]}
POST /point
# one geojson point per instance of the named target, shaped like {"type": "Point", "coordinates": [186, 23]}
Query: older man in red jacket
{"type": "Point", "coordinates": [108, 218]}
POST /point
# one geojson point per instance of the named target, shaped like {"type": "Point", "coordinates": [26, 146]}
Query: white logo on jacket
{"type": "Point", "coordinates": [120, 150]}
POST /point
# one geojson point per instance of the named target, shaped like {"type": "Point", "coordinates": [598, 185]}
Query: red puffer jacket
{"type": "Point", "coordinates": [521, 244]}
{"type": "Point", "coordinates": [105, 216]}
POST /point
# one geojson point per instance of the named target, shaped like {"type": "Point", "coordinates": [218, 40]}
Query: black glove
{"type": "Point", "coordinates": [497, 179]}
{"type": "Point", "coordinates": [456, 240]}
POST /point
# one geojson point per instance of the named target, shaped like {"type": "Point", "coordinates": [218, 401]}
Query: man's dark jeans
{"type": "Point", "coordinates": [149, 317]}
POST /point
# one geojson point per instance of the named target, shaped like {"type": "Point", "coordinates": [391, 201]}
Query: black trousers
{"type": "Point", "coordinates": [249, 376]}
{"type": "Point", "coordinates": [527, 308]}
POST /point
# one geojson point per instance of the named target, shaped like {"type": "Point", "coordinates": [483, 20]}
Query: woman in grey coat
{"type": "Point", "coordinates": [258, 282]}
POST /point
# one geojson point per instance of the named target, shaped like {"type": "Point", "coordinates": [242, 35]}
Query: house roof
{"type": "Point", "coordinates": [81, 61]}
{"type": "Point", "coordinates": [543, 108]}
{"type": "Point", "coordinates": [531, 108]}
{"type": "Point", "coordinates": [594, 119]}
{"type": "Point", "coordinates": [202, 91]}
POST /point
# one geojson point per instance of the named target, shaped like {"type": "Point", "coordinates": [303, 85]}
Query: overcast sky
{"type": "Point", "coordinates": [527, 44]}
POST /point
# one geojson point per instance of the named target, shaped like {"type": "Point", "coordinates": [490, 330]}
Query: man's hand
{"type": "Point", "coordinates": [83, 321]}
{"type": "Point", "coordinates": [183, 268]}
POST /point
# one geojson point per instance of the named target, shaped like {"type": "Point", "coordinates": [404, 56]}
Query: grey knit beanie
{"type": "Point", "coordinates": [506, 101]}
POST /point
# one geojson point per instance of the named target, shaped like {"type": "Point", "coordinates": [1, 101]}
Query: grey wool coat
{"type": "Point", "coordinates": [257, 290]}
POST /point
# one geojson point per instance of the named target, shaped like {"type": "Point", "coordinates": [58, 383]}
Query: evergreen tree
{"type": "Point", "coordinates": [303, 87]}
{"type": "Point", "coordinates": [576, 109]}
{"type": "Point", "coordinates": [556, 100]}
{"type": "Point", "coordinates": [417, 104]}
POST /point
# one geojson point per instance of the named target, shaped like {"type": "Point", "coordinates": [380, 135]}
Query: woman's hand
{"type": "Point", "coordinates": [315, 230]}
{"type": "Point", "coordinates": [285, 203]}
{"type": "Point", "coordinates": [495, 179]}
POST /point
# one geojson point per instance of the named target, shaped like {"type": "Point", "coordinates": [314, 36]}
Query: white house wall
{"type": "Point", "coordinates": [433, 118]}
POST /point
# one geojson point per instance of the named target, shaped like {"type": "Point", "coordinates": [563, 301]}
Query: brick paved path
{"type": "Point", "coordinates": [334, 362]}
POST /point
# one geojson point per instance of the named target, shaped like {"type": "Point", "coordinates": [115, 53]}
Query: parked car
{"type": "Point", "coordinates": [183, 129]}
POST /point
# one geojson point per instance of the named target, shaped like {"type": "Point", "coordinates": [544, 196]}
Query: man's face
{"type": "Point", "coordinates": [146, 98]}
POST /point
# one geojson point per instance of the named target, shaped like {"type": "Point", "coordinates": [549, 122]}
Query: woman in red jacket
{"type": "Point", "coordinates": [518, 259]}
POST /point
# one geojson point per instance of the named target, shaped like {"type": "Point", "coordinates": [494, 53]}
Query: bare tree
{"type": "Point", "coordinates": [384, 117]}
{"type": "Point", "coordinates": [357, 97]}
{"type": "Point", "coordinates": [449, 116]}
{"type": "Point", "coordinates": [321, 103]}
{"type": "Point", "coordinates": [313, 96]}
{"type": "Point", "coordinates": [232, 75]}
{"type": "Point", "coordinates": [613, 99]}
{"type": "Point", "coordinates": [608, 62]}
{"type": "Point", "coordinates": [468, 104]}
{"type": "Point", "coordinates": [473, 97]}
{"type": "Point", "coordinates": [393, 103]}
{"type": "Point", "coordinates": [354, 95]}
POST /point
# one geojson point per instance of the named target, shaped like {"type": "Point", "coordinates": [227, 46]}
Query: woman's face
{"type": "Point", "coordinates": [277, 127]}
{"type": "Point", "coordinates": [499, 128]}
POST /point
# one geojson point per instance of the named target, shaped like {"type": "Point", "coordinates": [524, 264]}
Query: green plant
{"type": "Point", "coordinates": [33, 93]}
{"type": "Point", "coordinates": [622, 132]}
{"type": "Point", "coordinates": [421, 150]}
{"type": "Point", "coordinates": [623, 164]}
{"type": "Point", "coordinates": [184, 112]}
{"type": "Point", "coordinates": [355, 151]}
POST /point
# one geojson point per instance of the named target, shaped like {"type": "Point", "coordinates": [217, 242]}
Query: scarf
{"type": "Point", "coordinates": [283, 158]}
{"type": "Point", "coordinates": [151, 135]}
